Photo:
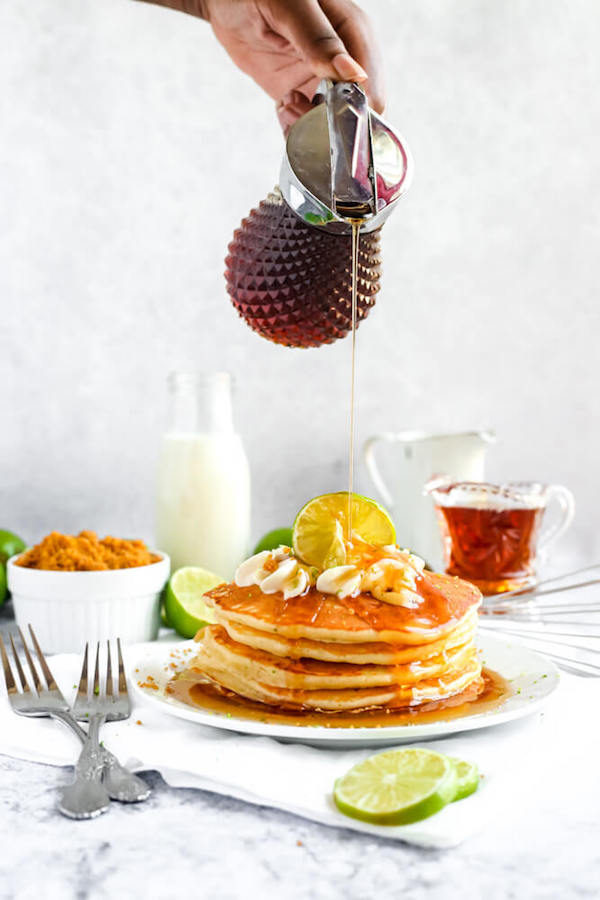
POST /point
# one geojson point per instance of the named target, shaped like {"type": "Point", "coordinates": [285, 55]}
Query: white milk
{"type": "Point", "coordinates": [203, 501]}
{"type": "Point", "coordinates": [203, 491]}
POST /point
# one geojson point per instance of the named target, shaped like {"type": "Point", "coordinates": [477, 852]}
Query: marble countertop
{"type": "Point", "coordinates": [191, 840]}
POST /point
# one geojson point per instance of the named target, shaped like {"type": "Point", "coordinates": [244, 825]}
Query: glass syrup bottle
{"type": "Point", "coordinates": [288, 269]}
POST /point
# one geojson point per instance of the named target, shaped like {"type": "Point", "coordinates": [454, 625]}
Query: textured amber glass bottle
{"type": "Point", "coordinates": [292, 282]}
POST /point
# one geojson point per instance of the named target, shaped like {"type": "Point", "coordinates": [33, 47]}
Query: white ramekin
{"type": "Point", "coordinates": [66, 609]}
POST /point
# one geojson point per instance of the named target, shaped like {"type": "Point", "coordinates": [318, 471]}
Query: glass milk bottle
{"type": "Point", "coordinates": [203, 493]}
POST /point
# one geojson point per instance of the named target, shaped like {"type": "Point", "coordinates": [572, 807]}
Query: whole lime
{"type": "Point", "coordinates": [273, 539]}
{"type": "Point", "coordinates": [10, 544]}
{"type": "Point", "coordinates": [3, 588]}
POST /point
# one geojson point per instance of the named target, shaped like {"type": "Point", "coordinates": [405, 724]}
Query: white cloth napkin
{"type": "Point", "coordinates": [300, 779]}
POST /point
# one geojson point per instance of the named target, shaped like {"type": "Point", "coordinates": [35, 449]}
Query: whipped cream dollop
{"type": "Point", "coordinates": [275, 570]}
{"type": "Point", "coordinates": [391, 579]}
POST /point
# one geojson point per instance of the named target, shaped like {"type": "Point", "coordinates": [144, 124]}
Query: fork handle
{"type": "Point", "coordinates": [87, 797]}
{"type": "Point", "coordinates": [120, 783]}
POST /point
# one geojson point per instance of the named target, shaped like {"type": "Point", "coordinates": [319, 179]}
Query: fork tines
{"type": "Point", "coordinates": [40, 679]}
{"type": "Point", "coordinates": [98, 695]}
{"type": "Point", "coordinates": [87, 686]}
{"type": "Point", "coordinates": [24, 686]}
{"type": "Point", "coordinates": [39, 692]}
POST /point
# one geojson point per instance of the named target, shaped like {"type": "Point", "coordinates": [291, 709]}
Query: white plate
{"type": "Point", "coordinates": [532, 677]}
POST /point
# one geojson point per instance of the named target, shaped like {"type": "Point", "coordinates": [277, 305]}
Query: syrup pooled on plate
{"type": "Point", "coordinates": [445, 602]}
{"type": "Point", "coordinates": [193, 688]}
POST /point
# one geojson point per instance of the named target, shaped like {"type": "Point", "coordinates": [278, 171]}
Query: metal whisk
{"type": "Point", "coordinates": [552, 621]}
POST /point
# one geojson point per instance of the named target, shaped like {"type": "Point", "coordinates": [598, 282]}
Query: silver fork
{"type": "Point", "coordinates": [44, 698]}
{"type": "Point", "coordinates": [96, 704]}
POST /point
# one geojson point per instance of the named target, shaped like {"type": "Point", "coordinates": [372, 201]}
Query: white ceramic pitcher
{"type": "Point", "coordinates": [418, 458]}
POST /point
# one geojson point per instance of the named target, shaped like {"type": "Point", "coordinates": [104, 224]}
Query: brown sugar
{"type": "Point", "coordinates": [85, 553]}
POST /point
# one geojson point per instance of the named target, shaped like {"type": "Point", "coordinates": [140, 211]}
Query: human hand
{"type": "Point", "coordinates": [288, 46]}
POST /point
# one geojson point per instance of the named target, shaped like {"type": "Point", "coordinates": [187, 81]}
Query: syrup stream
{"type": "Point", "coordinates": [356, 223]}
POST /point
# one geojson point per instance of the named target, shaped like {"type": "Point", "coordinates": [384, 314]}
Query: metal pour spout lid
{"type": "Point", "coordinates": [344, 162]}
{"type": "Point", "coordinates": [353, 183]}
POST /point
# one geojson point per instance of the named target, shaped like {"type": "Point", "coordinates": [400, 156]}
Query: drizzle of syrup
{"type": "Point", "coordinates": [356, 223]}
{"type": "Point", "coordinates": [446, 600]}
{"type": "Point", "coordinates": [490, 693]}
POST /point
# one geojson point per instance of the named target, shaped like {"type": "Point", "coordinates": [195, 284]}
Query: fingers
{"type": "Point", "coordinates": [336, 39]}
{"type": "Point", "coordinates": [290, 108]}
{"type": "Point", "coordinates": [355, 29]}
{"type": "Point", "coordinates": [310, 31]}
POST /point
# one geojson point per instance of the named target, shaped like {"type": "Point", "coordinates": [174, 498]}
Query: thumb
{"type": "Point", "coordinates": [308, 29]}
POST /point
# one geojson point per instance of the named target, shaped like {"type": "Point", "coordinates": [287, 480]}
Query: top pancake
{"type": "Point", "coordinates": [446, 600]}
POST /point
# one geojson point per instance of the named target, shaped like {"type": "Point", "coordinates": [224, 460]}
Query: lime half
{"type": "Point", "coordinates": [273, 539]}
{"type": "Point", "coordinates": [322, 524]}
{"type": "Point", "coordinates": [185, 607]}
{"type": "Point", "coordinates": [467, 775]}
{"type": "Point", "coordinates": [397, 787]}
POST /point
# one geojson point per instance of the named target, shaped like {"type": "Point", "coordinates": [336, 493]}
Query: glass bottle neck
{"type": "Point", "coordinates": [200, 404]}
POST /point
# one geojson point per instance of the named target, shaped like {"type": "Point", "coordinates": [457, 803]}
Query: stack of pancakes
{"type": "Point", "coordinates": [319, 652]}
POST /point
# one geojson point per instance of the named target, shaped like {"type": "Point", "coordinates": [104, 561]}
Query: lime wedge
{"type": "Point", "coordinates": [273, 539]}
{"type": "Point", "coordinates": [322, 524]}
{"type": "Point", "coordinates": [185, 608]}
{"type": "Point", "coordinates": [396, 787]}
{"type": "Point", "coordinates": [467, 775]}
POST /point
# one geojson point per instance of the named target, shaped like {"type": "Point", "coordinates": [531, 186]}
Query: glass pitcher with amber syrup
{"type": "Point", "coordinates": [493, 534]}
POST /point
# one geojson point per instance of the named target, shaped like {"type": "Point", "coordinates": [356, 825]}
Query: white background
{"type": "Point", "coordinates": [130, 148]}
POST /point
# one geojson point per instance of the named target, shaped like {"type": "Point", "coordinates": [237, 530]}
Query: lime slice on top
{"type": "Point", "coordinates": [322, 524]}
{"type": "Point", "coordinates": [185, 607]}
{"type": "Point", "coordinates": [467, 775]}
{"type": "Point", "coordinates": [397, 787]}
